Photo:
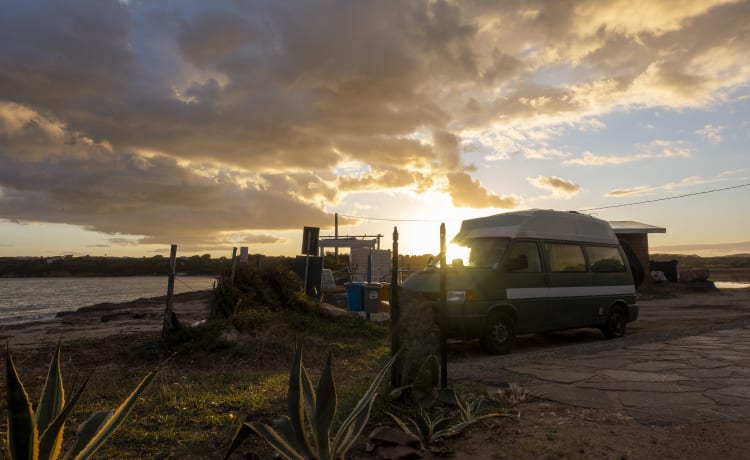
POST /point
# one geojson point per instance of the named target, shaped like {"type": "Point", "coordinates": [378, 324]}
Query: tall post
{"type": "Point", "coordinates": [395, 311]}
{"type": "Point", "coordinates": [307, 264]}
{"type": "Point", "coordinates": [167, 326]}
{"type": "Point", "coordinates": [443, 311]}
{"type": "Point", "coordinates": [234, 267]}
{"type": "Point", "coordinates": [336, 236]}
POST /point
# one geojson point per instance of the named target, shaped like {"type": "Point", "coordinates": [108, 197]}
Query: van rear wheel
{"type": "Point", "coordinates": [616, 323]}
{"type": "Point", "coordinates": [499, 334]}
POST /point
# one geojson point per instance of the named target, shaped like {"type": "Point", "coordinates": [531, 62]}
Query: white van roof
{"type": "Point", "coordinates": [539, 223]}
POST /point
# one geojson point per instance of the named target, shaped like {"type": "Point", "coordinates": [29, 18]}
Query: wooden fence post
{"type": "Point", "coordinates": [443, 310]}
{"type": "Point", "coordinates": [395, 311]}
{"type": "Point", "coordinates": [234, 267]}
{"type": "Point", "coordinates": [167, 327]}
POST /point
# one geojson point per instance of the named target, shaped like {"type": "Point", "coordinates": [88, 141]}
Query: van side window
{"type": "Point", "coordinates": [486, 252]}
{"type": "Point", "coordinates": [605, 259]}
{"type": "Point", "coordinates": [523, 258]}
{"type": "Point", "coordinates": [565, 257]}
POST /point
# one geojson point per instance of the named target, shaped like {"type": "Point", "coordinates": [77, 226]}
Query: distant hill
{"type": "Point", "coordinates": [107, 266]}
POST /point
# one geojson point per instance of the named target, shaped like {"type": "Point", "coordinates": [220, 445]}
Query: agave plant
{"type": "Point", "coordinates": [305, 433]}
{"type": "Point", "coordinates": [38, 434]}
{"type": "Point", "coordinates": [431, 429]}
{"type": "Point", "coordinates": [469, 408]}
{"type": "Point", "coordinates": [428, 428]}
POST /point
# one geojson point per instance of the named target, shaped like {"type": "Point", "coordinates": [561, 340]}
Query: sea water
{"type": "Point", "coordinates": [31, 299]}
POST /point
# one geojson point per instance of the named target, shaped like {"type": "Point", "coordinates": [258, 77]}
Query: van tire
{"type": "Point", "coordinates": [499, 334]}
{"type": "Point", "coordinates": [616, 323]}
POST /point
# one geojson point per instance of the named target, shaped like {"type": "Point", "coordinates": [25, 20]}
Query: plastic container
{"type": "Point", "coordinates": [354, 296]}
{"type": "Point", "coordinates": [372, 297]}
{"type": "Point", "coordinates": [385, 291]}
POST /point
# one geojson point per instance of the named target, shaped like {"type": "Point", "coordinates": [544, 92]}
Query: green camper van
{"type": "Point", "coordinates": [533, 271]}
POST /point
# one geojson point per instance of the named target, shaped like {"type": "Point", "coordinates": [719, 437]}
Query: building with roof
{"type": "Point", "coordinates": [636, 235]}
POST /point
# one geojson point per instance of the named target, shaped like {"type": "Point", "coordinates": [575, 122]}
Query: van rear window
{"type": "Point", "coordinates": [605, 259]}
{"type": "Point", "coordinates": [566, 258]}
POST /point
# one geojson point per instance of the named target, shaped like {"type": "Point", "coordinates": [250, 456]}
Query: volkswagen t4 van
{"type": "Point", "coordinates": [533, 271]}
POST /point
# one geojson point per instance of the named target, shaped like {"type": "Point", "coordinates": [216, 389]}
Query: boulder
{"type": "Point", "coordinates": [694, 275]}
{"type": "Point", "coordinates": [658, 277]}
{"type": "Point", "coordinates": [392, 444]}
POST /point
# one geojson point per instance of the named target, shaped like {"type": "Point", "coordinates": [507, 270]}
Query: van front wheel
{"type": "Point", "coordinates": [616, 323]}
{"type": "Point", "coordinates": [499, 334]}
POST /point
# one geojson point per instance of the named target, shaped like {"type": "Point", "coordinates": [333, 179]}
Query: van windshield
{"type": "Point", "coordinates": [486, 252]}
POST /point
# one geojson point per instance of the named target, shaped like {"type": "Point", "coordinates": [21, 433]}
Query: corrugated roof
{"type": "Point", "coordinates": [631, 226]}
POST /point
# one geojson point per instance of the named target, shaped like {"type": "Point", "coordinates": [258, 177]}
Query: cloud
{"type": "Point", "coordinates": [560, 188]}
{"type": "Point", "coordinates": [648, 189]}
{"type": "Point", "coordinates": [654, 150]}
{"type": "Point", "coordinates": [155, 197]}
{"type": "Point", "coordinates": [470, 193]}
{"type": "Point", "coordinates": [711, 133]}
{"type": "Point", "coordinates": [153, 118]}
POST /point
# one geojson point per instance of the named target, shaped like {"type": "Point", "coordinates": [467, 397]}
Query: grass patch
{"type": "Point", "coordinates": [200, 397]}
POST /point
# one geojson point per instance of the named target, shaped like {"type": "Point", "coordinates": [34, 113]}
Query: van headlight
{"type": "Point", "coordinates": [456, 296]}
{"type": "Point", "coordinates": [461, 296]}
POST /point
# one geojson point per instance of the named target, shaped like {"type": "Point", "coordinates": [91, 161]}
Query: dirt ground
{"type": "Point", "coordinates": [545, 429]}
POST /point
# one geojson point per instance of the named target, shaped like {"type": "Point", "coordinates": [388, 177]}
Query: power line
{"type": "Point", "coordinates": [665, 199]}
{"type": "Point", "coordinates": [385, 219]}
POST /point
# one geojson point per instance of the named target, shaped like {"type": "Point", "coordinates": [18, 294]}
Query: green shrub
{"type": "Point", "coordinates": [274, 287]}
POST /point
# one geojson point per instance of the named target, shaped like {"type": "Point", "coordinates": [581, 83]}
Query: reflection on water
{"type": "Point", "coordinates": [26, 299]}
{"type": "Point", "coordinates": [731, 285]}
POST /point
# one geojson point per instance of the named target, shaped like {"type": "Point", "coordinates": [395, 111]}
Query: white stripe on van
{"type": "Point", "coordinates": [572, 291]}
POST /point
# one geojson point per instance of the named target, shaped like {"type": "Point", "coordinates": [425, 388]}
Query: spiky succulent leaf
{"type": "Point", "coordinates": [242, 433]}
{"type": "Point", "coordinates": [87, 430]}
{"type": "Point", "coordinates": [423, 424]}
{"type": "Point", "coordinates": [449, 431]}
{"type": "Point", "coordinates": [441, 422]}
{"type": "Point", "coordinates": [355, 422]}
{"type": "Point", "coordinates": [52, 399]}
{"type": "Point", "coordinates": [49, 447]}
{"type": "Point", "coordinates": [325, 409]}
{"type": "Point", "coordinates": [22, 434]}
{"type": "Point", "coordinates": [116, 419]}
{"type": "Point", "coordinates": [424, 388]}
{"type": "Point", "coordinates": [296, 402]}
{"type": "Point", "coordinates": [284, 427]}
{"type": "Point", "coordinates": [308, 394]}
{"type": "Point", "coordinates": [276, 441]}
{"type": "Point", "coordinates": [401, 424]}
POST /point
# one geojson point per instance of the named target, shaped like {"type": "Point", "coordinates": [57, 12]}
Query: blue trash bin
{"type": "Point", "coordinates": [355, 293]}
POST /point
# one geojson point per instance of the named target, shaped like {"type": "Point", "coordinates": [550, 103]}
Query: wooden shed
{"type": "Point", "coordinates": [636, 234]}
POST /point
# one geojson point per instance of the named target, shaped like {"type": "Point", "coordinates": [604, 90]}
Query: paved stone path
{"type": "Point", "coordinates": [688, 379]}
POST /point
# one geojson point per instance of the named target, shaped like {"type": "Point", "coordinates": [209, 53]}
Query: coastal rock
{"type": "Point", "coordinates": [694, 275]}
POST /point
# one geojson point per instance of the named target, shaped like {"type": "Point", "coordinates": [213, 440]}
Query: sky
{"type": "Point", "coordinates": [127, 126]}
